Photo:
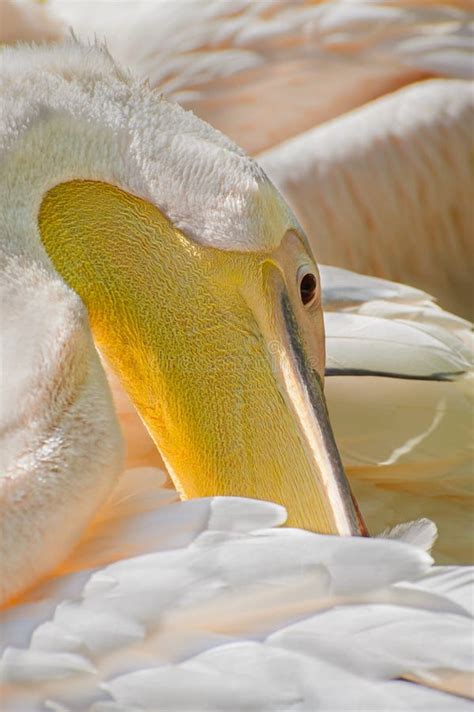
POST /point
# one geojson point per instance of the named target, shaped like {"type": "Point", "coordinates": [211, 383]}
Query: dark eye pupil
{"type": "Point", "coordinates": [308, 288]}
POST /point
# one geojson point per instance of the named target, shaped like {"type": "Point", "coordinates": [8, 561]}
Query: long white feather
{"type": "Point", "coordinates": [201, 614]}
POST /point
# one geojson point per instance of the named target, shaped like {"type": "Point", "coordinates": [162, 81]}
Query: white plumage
{"type": "Point", "coordinates": [186, 606]}
{"type": "Point", "coordinates": [208, 605]}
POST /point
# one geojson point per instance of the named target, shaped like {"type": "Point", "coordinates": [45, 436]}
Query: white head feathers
{"type": "Point", "coordinates": [73, 114]}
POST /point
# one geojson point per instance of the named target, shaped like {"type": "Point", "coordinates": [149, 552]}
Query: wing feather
{"type": "Point", "coordinates": [206, 617]}
{"type": "Point", "coordinates": [232, 62]}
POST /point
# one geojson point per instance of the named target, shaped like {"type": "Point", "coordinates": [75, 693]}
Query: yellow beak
{"type": "Point", "coordinates": [211, 348]}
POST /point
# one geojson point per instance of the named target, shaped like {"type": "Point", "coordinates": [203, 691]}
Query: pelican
{"type": "Point", "coordinates": [212, 297]}
{"type": "Point", "coordinates": [374, 81]}
{"type": "Point", "coordinates": [128, 217]}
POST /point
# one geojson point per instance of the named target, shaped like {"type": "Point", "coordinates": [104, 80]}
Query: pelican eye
{"type": "Point", "coordinates": [308, 288]}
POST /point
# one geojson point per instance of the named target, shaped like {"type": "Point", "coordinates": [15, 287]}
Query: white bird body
{"type": "Point", "coordinates": [118, 636]}
{"type": "Point", "coordinates": [60, 442]}
{"type": "Point", "coordinates": [234, 62]}
{"type": "Point", "coordinates": [65, 422]}
{"type": "Point", "coordinates": [341, 177]}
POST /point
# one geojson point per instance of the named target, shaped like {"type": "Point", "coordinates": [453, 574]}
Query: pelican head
{"type": "Point", "coordinates": [220, 348]}
{"type": "Point", "coordinates": [200, 287]}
